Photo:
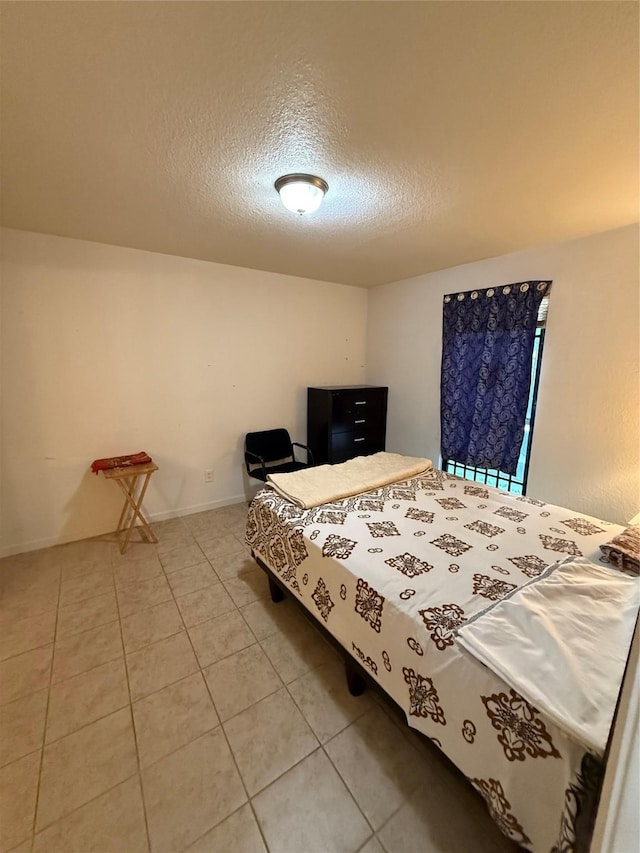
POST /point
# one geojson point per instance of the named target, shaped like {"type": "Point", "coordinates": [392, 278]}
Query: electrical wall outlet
{"type": "Point", "coordinates": [208, 475]}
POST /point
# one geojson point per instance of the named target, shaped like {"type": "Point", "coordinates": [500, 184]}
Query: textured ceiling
{"type": "Point", "coordinates": [447, 131]}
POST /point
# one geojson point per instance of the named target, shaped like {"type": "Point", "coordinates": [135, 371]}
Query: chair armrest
{"type": "Point", "coordinates": [304, 447]}
{"type": "Point", "coordinates": [254, 460]}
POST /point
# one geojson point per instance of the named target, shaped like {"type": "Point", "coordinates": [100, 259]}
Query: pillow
{"type": "Point", "coordinates": [624, 550]}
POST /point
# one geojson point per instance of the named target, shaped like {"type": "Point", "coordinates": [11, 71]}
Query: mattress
{"type": "Point", "coordinates": [393, 574]}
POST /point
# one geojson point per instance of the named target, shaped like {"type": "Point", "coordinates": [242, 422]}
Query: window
{"type": "Point", "coordinates": [516, 483]}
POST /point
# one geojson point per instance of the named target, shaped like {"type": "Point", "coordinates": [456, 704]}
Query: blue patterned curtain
{"type": "Point", "coordinates": [487, 348]}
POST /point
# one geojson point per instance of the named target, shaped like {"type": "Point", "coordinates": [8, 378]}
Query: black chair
{"type": "Point", "coordinates": [271, 452]}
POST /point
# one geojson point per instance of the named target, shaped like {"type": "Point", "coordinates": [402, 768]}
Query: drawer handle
{"type": "Point", "coordinates": [361, 421]}
{"type": "Point", "coordinates": [358, 439]}
{"type": "Point", "coordinates": [361, 403]}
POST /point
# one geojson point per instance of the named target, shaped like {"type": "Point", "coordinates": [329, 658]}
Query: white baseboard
{"type": "Point", "coordinates": [50, 541]}
{"type": "Point", "coordinates": [38, 544]}
{"type": "Point", "coordinates": [192, 510]}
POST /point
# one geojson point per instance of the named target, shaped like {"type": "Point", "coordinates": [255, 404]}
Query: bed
{"type": "Point", "coordinates": [393, 573]}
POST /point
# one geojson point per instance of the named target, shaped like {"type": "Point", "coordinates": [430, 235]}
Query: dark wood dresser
{"type": "Point", "coordinates": [344, 421]}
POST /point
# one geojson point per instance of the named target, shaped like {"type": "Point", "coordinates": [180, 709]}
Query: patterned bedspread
{"type": "Point", "coordinates": [393, 574]}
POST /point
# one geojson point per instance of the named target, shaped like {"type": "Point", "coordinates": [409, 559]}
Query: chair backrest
{"type": "Point", "coordinates": [271, 444]}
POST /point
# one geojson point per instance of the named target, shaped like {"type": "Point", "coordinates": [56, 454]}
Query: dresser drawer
{"type": "Point", "coordinates": [358, 410]}
{"type": "Point", "coordinates": [346, 445]}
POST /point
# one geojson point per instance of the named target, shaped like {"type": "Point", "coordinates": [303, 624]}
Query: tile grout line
{"type": "Point", "coordinates": [224, 733]}
{"type": "Point", "coordinates": [88, 802]}
{"type": "Point", "coordinates": [320, 744]}
{"type": "Point", "coordinates": [89, 668]}
{"type": "Point", "coordinates": [387, 712]}
{"type": "Point", "coordinates": [33, 648]}
{"type": "Point", "coordinates": [46, 715]}
{"type": "Point", "coordinates": [390, 818]}
{"type": "Point", "coordinates": [322, 747]}
{"type": "Point", "coordinates": [4, 704]}
{"type": "Point", "coordinates": [154, 692]}
{"type": "Point", "coordinates": [200, 668]}
{"type": "Point", "coordinates": [85, 725]}
{"type": "Point", "coordinates": [115, 710]}
{"type": "Point", "coordinates": [249, 797]}
{"type": "Point", "coordinates": [172, 684]}
{"type": "Point", "coordinates": [101, 572]}
{"type": "Point", "coordinates": [379, 840]}
{"type": "Point", "coordinates": [234, 812]}
{"type": "Point", "coordinates": [344, 782]}
{"type": "Point", "coordinates": [133, 723]}
{"type": "Point", "coordinates": [184, 630]}
{"type": "Point", "coordinates": [403, 728]}
{"type": "Point", "coordinates": [220, 724]}
{"type": "Point", "coordinates": [11, 622]}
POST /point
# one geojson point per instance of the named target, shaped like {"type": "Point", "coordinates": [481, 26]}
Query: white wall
{"type": "Point", "coordinates": [106, 350]}
{"type": "Point", "coordinates": [586, 448]}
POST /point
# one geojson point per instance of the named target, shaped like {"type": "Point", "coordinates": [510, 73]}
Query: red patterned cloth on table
{"type": "Point", "coordinates": [141, 458]}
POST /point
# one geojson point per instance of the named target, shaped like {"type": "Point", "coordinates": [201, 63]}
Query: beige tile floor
{"type": "Point", "coordinates": [160, 701]}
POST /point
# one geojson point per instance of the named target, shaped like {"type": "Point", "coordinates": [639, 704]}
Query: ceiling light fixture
{"type": "Point", "coordinates": [301, 193]}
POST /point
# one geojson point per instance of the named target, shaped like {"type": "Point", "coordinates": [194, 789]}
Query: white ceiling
{"type": "Point", "coordinates": [447, 131]}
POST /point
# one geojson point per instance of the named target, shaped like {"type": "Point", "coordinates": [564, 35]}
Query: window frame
{"type": "Point", "coordinates": [511, 482]}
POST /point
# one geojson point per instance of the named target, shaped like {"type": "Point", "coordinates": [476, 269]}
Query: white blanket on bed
{"type": "Point", "coordinates": [326, 483]}
{"type": "Point", "coordinates": [562, 643]}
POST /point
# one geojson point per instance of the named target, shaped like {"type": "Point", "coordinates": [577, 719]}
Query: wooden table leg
{"type": "Point", "coordinates": [124, 515]}
{"type": "Point", "coordinates": [126, 525]}
{"type": "Point", "coordinates": [145, 529]}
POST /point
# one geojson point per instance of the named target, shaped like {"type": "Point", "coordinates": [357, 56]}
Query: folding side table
{"type": "Point", "coordinates": [128, 479]}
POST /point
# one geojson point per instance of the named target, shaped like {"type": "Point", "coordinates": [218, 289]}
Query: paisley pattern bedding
{"type": "Point", "coordinates": [393, 574]}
